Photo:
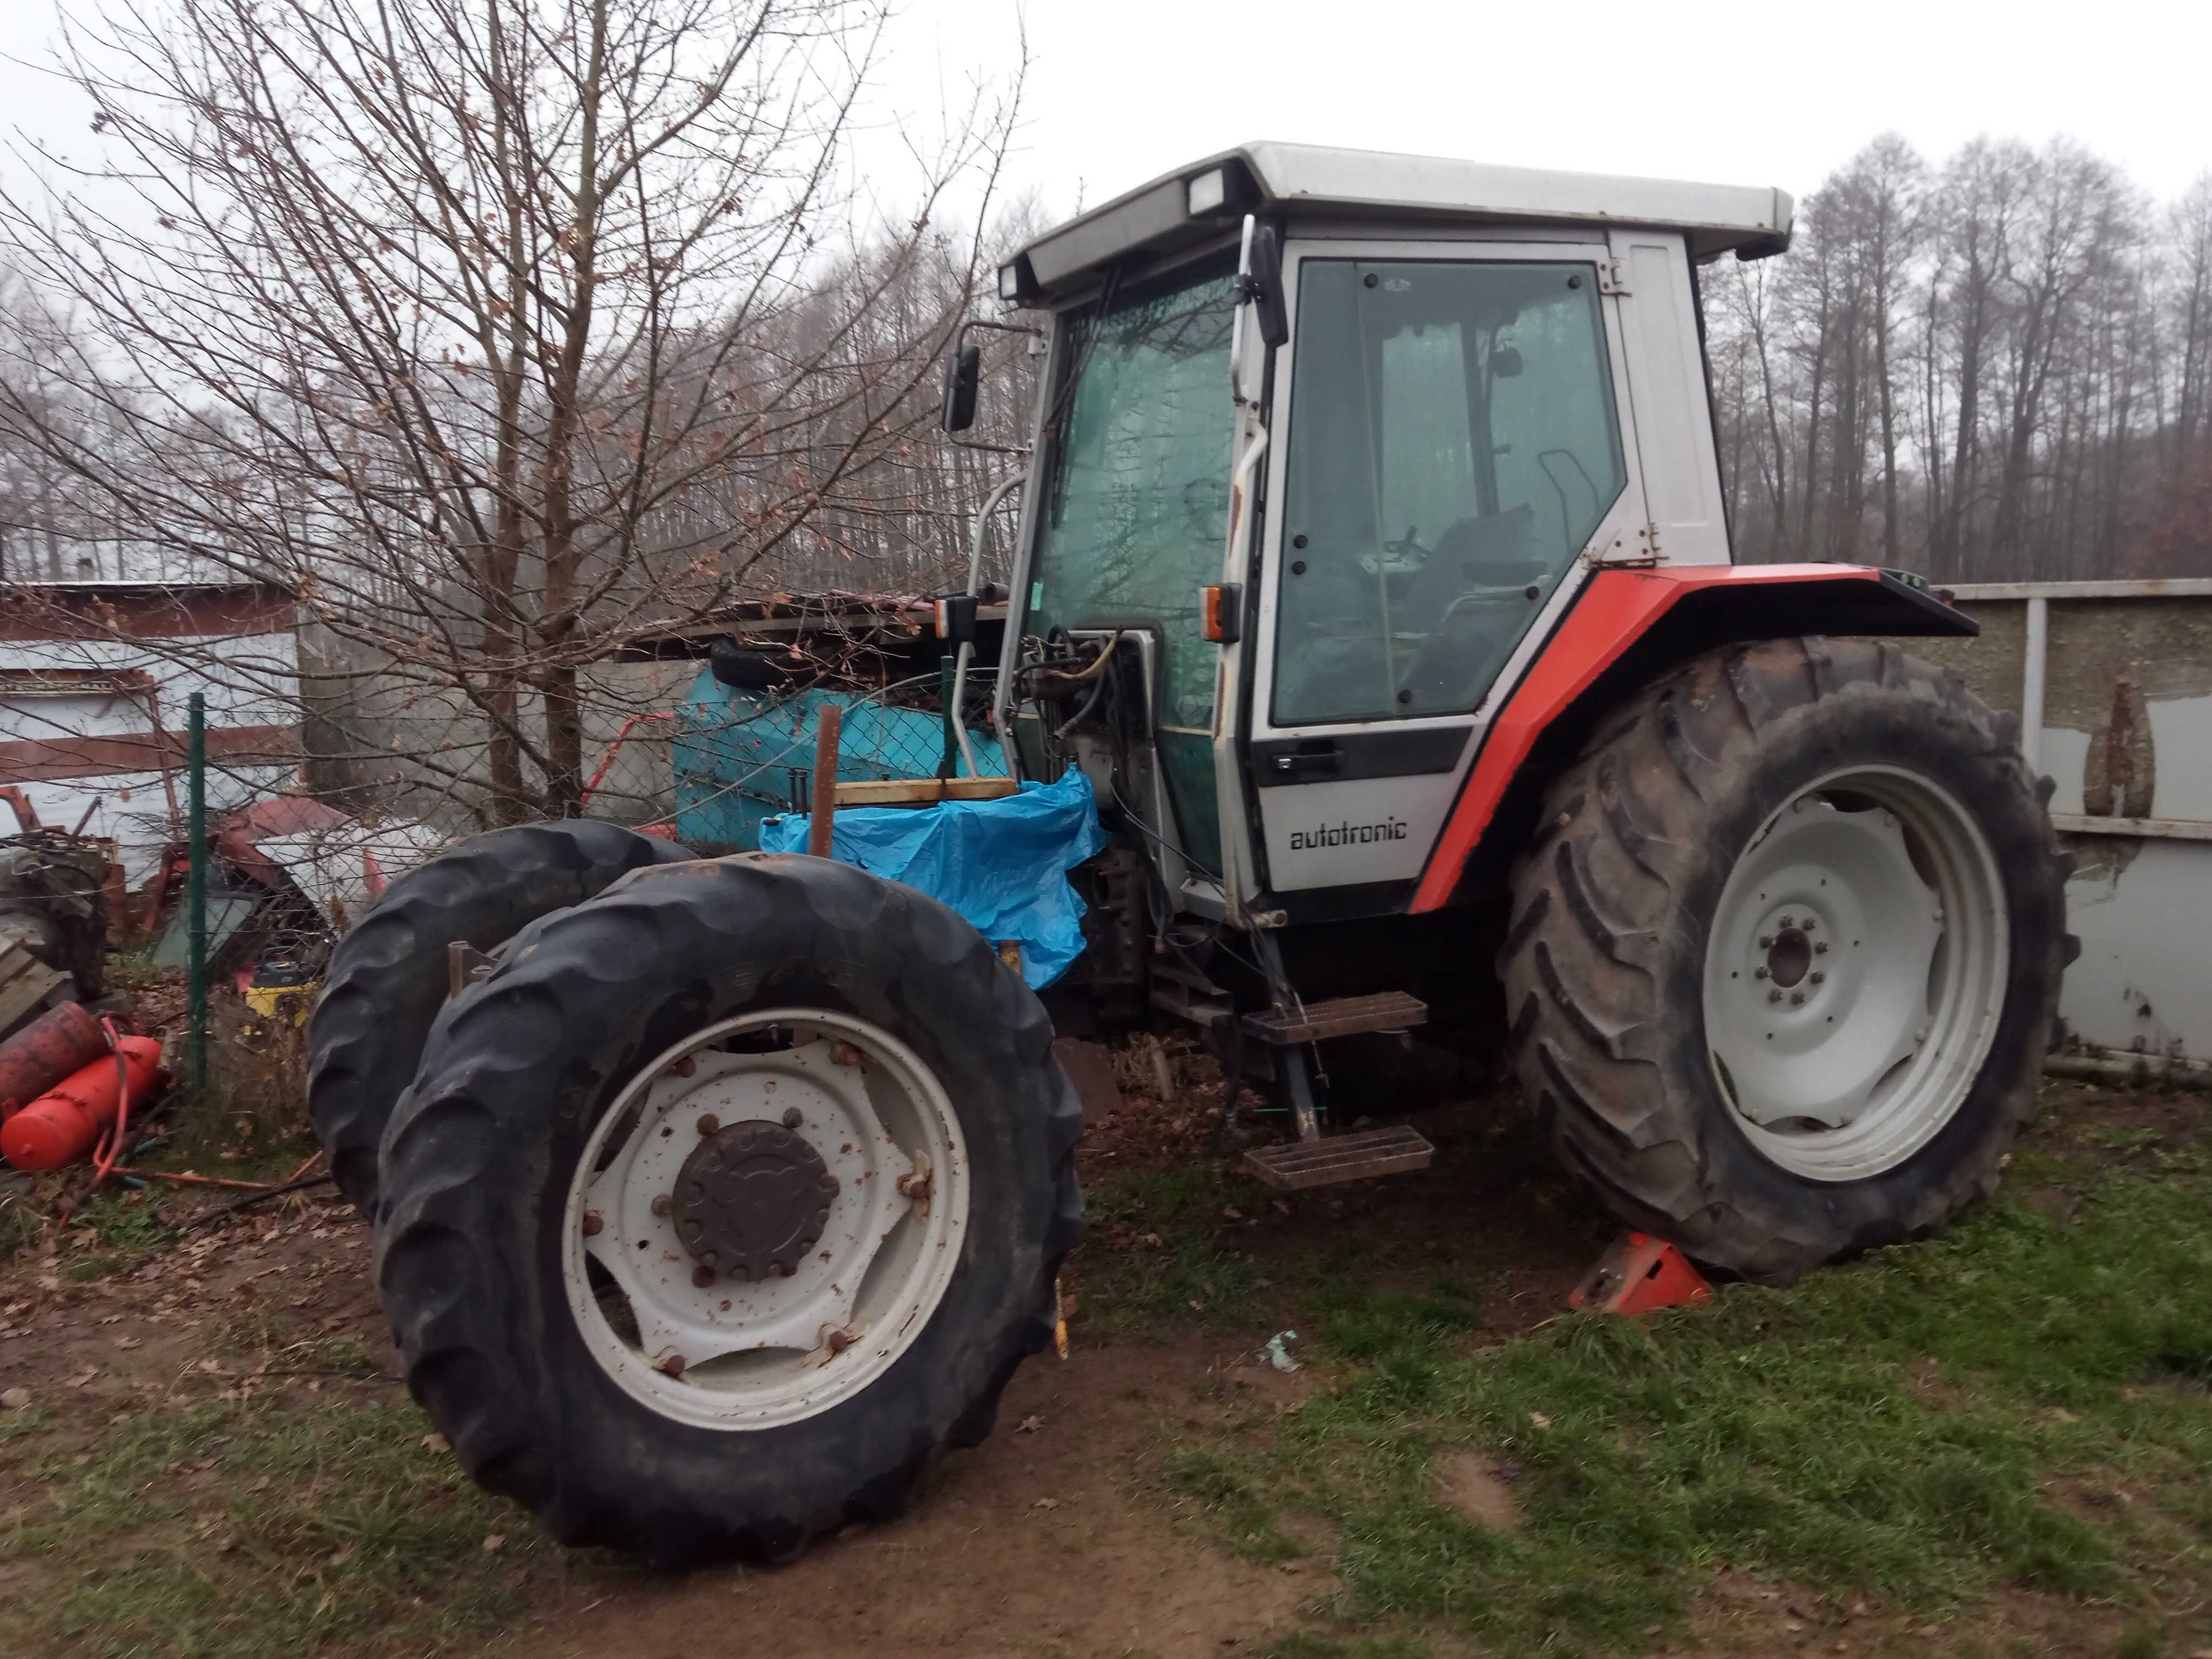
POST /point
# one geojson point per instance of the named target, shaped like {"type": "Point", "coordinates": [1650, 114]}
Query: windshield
{"type": "Point", "coordinates": [1453, 445]}
{"type": "Point", "coordinates": [1136, 508]}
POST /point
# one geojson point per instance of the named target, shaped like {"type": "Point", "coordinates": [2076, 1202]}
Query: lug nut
{"type": "Point", "coordinates": [1820, 947]}
{"type": "Point", "coordinates": [1807, 924]}
{"type": "Point", "coordinates": [919, 1191]}
{"type": "Point", "coordinates": [1758, 972]}
{"type": "Point", "coordinates": [1796, 999]}
{"type": "Point", "coordinates": [1766, 941]}
{"type": "Point", "coordinates": [791, 1120]}
{"type": "Point", "coordinates": [708, 1123]}
{"type": "Point", "coordinates": [1774, 996]}
{"type": "Point", "coordinates": [838, 1341]}
{"type": "Point", "coordinates": [673, 1365]}
{"type": "Point", "coordinates": [1785, 922]}
{"type": "Point", "coordinates": [592, 1223]}
{"type": "Point", "coordinates": [1818, 978]}
{"type": "Point", "coordinates": [662, 1204]}
{"type": "Point", "coordinates": [702, 1277]}
{"type": "Point", "coordinates": [683, 1068]}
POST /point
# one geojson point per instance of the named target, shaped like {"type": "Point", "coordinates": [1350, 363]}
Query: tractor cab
{"type": "Point", "coordinates": [1328, 444]}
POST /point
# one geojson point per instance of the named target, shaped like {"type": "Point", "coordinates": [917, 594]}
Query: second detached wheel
{"type": "Point", "coordinates": [725, 1201]}
{"type": "Point", "coordinates": [1787, 953]}
{"type": "Point", "coordinates": [387, 977]}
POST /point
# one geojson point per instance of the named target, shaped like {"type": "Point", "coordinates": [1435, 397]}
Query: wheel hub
{"type": "Point", "coordinates": [1855, 971]}
{"type": "Point", "coordinates": [751, 1199]}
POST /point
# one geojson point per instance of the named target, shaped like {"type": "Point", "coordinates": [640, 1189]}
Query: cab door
{"type": "Point", "coordinates": [1446, 445]}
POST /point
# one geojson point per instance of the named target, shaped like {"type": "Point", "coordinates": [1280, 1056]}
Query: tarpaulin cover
{"type": "Point", "coordinates": [1001, 864]}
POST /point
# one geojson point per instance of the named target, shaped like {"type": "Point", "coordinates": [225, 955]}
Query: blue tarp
{"type": "Point", "coordinates": [739, 754]}
{"type": "Point", "coordinates": [1001, 864]}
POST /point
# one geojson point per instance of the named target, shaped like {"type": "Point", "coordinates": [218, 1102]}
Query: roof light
{"type": "Point", "coordinates": [1010, 282]}
{"type": "Point", "coordinates": [1209, 192]}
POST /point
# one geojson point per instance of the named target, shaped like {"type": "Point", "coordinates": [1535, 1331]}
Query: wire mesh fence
{"type": "Point", "coordinates": [745, 759]}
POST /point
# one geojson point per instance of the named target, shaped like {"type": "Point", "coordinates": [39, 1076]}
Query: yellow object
{"type": "Point", "coordinates": [1059, 1320]}
{"type": "Point", "coordinates": [283, 1001]}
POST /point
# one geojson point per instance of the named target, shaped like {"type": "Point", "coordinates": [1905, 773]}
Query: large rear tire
{"type": "Point", "coordinates": [726, 1201]}
{"type": "Point", "coordinates": [1786, 953]}
{"type": "Point", "coordinates": [387, 977]}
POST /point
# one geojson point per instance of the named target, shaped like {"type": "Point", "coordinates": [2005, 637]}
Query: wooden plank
{"type": "Point", "coordinates": [921, 792]}
{"type": "Point", "coordinates": [25, 982]}
{"type": "Point", "coordinates": [2082, 823]}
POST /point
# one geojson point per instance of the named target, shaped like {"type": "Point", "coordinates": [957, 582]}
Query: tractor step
{"type": "Point", "coordinates": [1384, 1011]}
{"type": "Point", "coordinates": [1340, 1157]}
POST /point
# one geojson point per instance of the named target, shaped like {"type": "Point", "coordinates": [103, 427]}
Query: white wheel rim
{"type": "Point", "coordinates": [1855, 973]}
{"type": "Point", "coordinates": [742, 1354]}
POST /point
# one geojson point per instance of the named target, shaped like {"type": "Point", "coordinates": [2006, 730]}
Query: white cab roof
{"type": "Point", "coordinates": [1751, 222]}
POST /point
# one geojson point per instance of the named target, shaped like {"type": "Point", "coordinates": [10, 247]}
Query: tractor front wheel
{"type": "Point", "coordinates": [1786, 954]}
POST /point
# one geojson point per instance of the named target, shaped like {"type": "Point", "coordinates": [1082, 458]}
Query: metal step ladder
{"type": "Point", "coordinates": [1316, 1159]}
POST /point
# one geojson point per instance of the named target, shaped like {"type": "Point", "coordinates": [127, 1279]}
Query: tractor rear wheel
{"type": "Point", "coordinates": [1786, 953]}
{"type": "Point", "coordinates": [387, 977]}
{"type": "Point", "coordinates": [724, 1202]}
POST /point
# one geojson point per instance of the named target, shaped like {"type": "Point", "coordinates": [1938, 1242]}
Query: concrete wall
{"type": "Point", "coordinates": [2126, 735]}
{"type": "Point", "coordinates": [377, 737]}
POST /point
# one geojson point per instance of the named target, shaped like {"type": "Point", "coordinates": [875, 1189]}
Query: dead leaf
{"type": "Point", "coordinates": [83, 1377]}
{"type": "Point", "coordinates": [1537, 1420]}
{"type": "Point", "coordinates": [1046, 1503]}
{"type": "Point", "coordinates": [130, 1342]}
{"type": "Point", "coordinates": [16, 1400]}
{"type": "Point", "coordinates": [1028, 1424]}
{"type": "Point", "coordinates": [493, 1542]}
{"type": "Point", "coordinates": [437, 1442]}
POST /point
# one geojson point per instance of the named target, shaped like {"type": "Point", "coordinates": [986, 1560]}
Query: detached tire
{"type": "Point", "coordinates": [1786, 953]}
{"type": "Point", "coordinates": [386, 979]}
{"type": "Point", "coordinates": [725, 1201]}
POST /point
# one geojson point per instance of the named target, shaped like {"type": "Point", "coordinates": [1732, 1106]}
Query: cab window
{"type": "Point", "coordinates": [1452, 446]}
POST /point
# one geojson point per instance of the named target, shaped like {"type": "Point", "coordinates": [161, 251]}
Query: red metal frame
{"type": "Point", "coordinates": [1616, 609]}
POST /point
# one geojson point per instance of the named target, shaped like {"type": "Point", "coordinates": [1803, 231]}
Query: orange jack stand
{"type": "Point", "coordinates": [1637, 1273]}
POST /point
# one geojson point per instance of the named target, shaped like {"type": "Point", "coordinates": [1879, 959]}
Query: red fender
{"type": "Point", "coordinates": [1617, 609]}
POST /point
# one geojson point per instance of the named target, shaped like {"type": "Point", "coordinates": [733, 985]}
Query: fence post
{"type": "Point", "coordinates": [196, 1038]}
{"type": "Point", "coordinates": [831, 718]}
{"type": "Point", "coordinates": [949, 766]}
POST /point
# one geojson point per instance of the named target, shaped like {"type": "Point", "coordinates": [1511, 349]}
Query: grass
{"type": "Point", "coordinates": [2022, 1405]}
{"type": "Point", "coordinates": [245, 1529]}
{"type": "Point", "coordinates": [2017, 1416]}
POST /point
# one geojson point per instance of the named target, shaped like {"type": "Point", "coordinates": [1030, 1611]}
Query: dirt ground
{"type": "Point", "coordinates": [1057, 1537]}
{"type": "Point", "coordinates": [1039, 1542]}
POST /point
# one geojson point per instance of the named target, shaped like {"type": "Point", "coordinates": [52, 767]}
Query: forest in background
{"type": "Point", "coordinates": [1996, 367]}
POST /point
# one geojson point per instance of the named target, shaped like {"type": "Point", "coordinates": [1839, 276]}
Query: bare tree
{"type": "Point", "coordinates": [2013, 345]}
{"type": "Point", "coordinates": [506, 331]}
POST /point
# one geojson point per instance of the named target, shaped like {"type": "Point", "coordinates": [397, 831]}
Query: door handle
{"type": "Point", "coordinates": [1308, 761]}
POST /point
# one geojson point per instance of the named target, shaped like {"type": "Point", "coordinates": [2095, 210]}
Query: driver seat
{"type": "Point", "coordinates": [1473, 587]}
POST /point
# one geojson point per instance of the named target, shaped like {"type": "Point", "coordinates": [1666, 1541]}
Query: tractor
{"type": "Point", "coordinates": [1373, 567]}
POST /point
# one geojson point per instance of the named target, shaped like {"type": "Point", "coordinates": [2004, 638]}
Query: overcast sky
{"type": "Point", "coordinates": [1728, 90]}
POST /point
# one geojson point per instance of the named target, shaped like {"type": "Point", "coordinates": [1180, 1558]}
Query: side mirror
{"type": "Point", "coordinates": [1264, 285]}
{"type": "Point", "coordinates": [962, 369]}
{"type": "Point", "coordinates": [1505, 362]}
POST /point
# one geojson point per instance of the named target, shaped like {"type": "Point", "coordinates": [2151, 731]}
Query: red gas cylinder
{"type": "Point", "coordinates": [57, 1042]}
{"type": "Point", "coordinates": [63, 1123]}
